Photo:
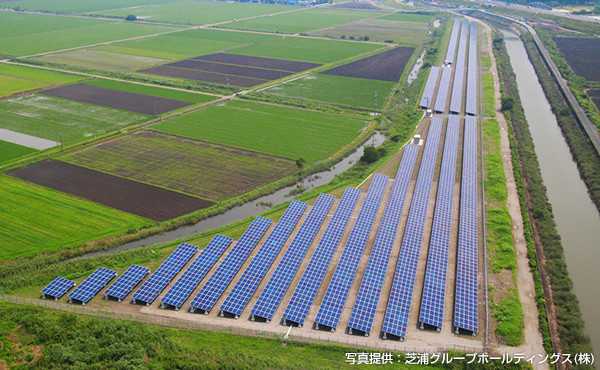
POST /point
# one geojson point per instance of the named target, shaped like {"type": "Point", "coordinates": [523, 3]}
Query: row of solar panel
{"type": "Point", "coordinates": [427, 96]}
{"type": "Point", "coordinates": [471, 103]}
{"type": "Point", "coordinates": [459, 71]}
{"type": "Point", "coordinates": [451, 53]}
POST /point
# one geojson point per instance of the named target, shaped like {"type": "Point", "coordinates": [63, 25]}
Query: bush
{"type": "Point", "coordinates": [131, 17]}
{"type": "Point", "coordinates": [370, 155]}
{"type": "Point", "coordinates": [508, 102]}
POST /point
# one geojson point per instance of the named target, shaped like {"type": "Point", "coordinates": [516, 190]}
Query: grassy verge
{"type": "Point", "coordinates": [489, 99]}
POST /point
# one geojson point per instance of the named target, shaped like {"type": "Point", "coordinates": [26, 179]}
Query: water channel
{"type": "Point", "coordinates": [577, 219]}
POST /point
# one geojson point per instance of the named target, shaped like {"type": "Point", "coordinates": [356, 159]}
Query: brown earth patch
{"type": "Point", "coordinates": [190, 74]}
{"type": "Point", "coordinates": [251, 61]}
{"type": "Point", "coordinates": [230, 69]}
{"type": "Point", "coordinates": [387, 66]}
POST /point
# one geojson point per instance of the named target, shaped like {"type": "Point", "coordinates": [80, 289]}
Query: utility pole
{"type": "Point", "coordinates": [375, 99]}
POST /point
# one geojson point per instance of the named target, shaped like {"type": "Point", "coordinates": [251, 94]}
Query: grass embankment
{"type": "Point", "coordinates": [489, 97]}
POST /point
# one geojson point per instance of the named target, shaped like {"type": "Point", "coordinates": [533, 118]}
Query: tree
{"type": "Point", "coordinates": [370, 155]}
{"type": "Point", "coordinates": [507, 103]}
{"type": "Point", "coordinates": [131, 17]}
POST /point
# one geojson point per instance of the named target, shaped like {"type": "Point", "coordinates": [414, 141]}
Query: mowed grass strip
{"type": "Point", "coordinates": [281, 131]}
{"type": "Point", "coordinates": [208, 170]}
{"type": "Point", "coordinates": [34, 219]}
{"type": "Point", "coordinates": [10, 151]}
{"type": "Point", "coordinates": [151, 90]}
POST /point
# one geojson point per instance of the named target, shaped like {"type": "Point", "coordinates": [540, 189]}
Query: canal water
{"type": "Point", "coordinates": [577, 219]}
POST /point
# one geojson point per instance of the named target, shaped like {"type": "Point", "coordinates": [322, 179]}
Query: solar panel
{"type": "Point", "coordinates": [57, 288]}
{"type": "Point", "coordinates": [311, 280]}
{"type": "Point", "coordinates": [339, 287]}
{"type": "Point", "coordinates": [396, 315]}
{"type": "Point", "coordinates": [434, 287]}
{"type": "Point", "coordinates": [427, 97]}
{"type": "Point", "coordinates": [237, 300]}
{"type": "Point", "coordinates": [442, 95]}
{"type": "Point", "coordinates": [451, 53]}
{"type": "Point", "coordinates": [220, 279]}
{"type": "Point", "coordinates": [193, 275]}
{"type": "Point", "coordinates": [275, 289]}
{"type": "Point", "coordinates": [363, 312]}
{"type": "Point", "coordinates": [456, 98]}
{"type": "Point", "coordinates": [158, 281]}
{"type": "Point", "coordinates": [126, 282]}
{"type": "Point", "coordinates": [465, 304]}
{"type": "Point", "coordinates": [92, 285]}
{"type": "Point", "coordinates": [471, 104]}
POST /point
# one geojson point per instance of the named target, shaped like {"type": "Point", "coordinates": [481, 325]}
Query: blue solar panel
{"type": "Point", "coordinates": [220, 279]}
{"type": "Point", "coordinates": [465, 305]}
{"type": "Point", "coordinates": [471, 104]}
{"type": "Point", "coordinates": [456, 99]}
{"type": "Point", "coordinates": [275, 289]}
{"type": "Point", "coordinates": [126, 282]}
{"type": "Point", "coordinates": [193, 275]}
{"type": "Point", "coordinates": [57, 288]}
{"type": "Point", "coordinates": [363, 312]}
{"type": "Point", "coordinates": [451, 53]}
{"type": "Point", "coordinates": [434, 288]}
{"type": "Point", "coordinates": [339, 287]}
{"type": "Point", "coordinates": [305, 292]}
{"type": "Point", "coordinates": [164, 274]}
{"type": "Point", "coordinates": [92, 285]}
{"type": "Point", "coordinates": [396, 315]}
{"type": "Point", "coordinates": [442, 95]}
{"type": "Point", "coordinates": [427, 97]}
{"type": "Point", "coordinates": [237, 300]}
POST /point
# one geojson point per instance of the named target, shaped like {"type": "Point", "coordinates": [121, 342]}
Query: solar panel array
{"type": "Point", "coordinates": [427, 97]}
{"type": "Point", "coordinates": [126, 282]}
{"type": "Point", "coordinates": [237, 300]}
{"type": "Point", "coordinates": [57, 288]}
{"type": "Point", "coordinates": [92, 285]}
{"type": "Point", "coordinates": [434, 287]}
{"type": "Point", "coordinates": [456, 98]}
{"type": "Point", "coordinates": [164, 274]}
{"type": "Point", "coordinates": [339, 287]}
{"type": "Point", "coordinates": [396, 315]}
{"type": "Point", "coordinates": [471, 104]}
{"type": "Point", "coordinates": [442, 95]}
{"type": "Point", "coordinates": [451, 53]}
{"type": "Point", "coordinates": [193, 275]}
{"type": "Point", "coordinates": [275, 289]}
{"type": "Point", "coordinates": [311, 280]}
{"type": "Point", "coordinates": [363, 312]}
{"type": "Point", "coordinates": [465, 305]}
{"type": "Point", "coordinates": [220, 279]}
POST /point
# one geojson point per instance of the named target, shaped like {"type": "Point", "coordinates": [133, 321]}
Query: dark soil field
{"type": "Point", "coordinates": [230, 69]}
{"type": "Point", "coordinates": [190, 74]}
{"type": "Point", "coordinates": [387, 66]}
{"type": "Point", "coordinates": [250, 61]}
{"type": "Point", "coordinates": [582, 53]}
{"type": "Point", "coordinates": [132, 102]}
{"type": "Point", "coordinates": [126, 195]}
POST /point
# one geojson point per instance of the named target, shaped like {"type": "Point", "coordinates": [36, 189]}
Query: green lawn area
{"type": "Point", "coordinates": [26, 34]}
{"type": "Point", "coordinates": [400, 32]}
{"type": "Point", "coordinates": [44, 116]}
{"type": "Point", "coordinates": [34, 219]}
{"type": "Point", "coordinates": [78, 6]}
{"type": "Point", "coordinates": [10, 151]}
{"type": "Point", "coordinates": [151, 90]}
{"type": "Point", "coordinates": [352, 92]}
{"type": "Point", "coordinates": [308, 50]}
{"type": "Point", "coordinates": [37, 74]}
{"type": "Point", "coordinates": [301, 21]}
{"type": "Point", "coordinates": [281, 131]}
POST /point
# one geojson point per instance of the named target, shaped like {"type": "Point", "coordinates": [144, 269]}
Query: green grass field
{"type": "Point", "coordinates": [45, 116]}
{"type": "Point", "coordinates": [281, 131]}
{"type": "Point", "coordinates": [400, 32]}
{"type": "Point", "coordinates": [352, 92]}
{"type": "Point", "coordinates": [210, 171]}
{"type": "Point", "coordinates": [102, 60]}
{"type": "Point", "coordinates": [34, 219]}
{"type": "Point", "coordinates": [11, 85]}
{"type": "Point", "coordinates": [26, 34]}
{"type": "Point", "coordinates": [151, 90]}
{"type": "Point", "coordinates": [78, 6]}
{"type": "Point", "coordinates": [10, 151]}
{"type": "Point", "coordinates": [301, 21]}
{"type": "Point", "coordinates": [37, 74]}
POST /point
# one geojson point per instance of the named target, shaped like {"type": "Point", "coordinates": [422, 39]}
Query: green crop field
{"type": "Point", "coordinates": [281, 131]}
{"type": "Point", "coordinates": [352, 92]}
{"type": "Point", "coordinates": [34, 219]}
{"type": "Point", "coordinates": [10, 151]}
{"type": "Point", "coordinates": [301, 21]}
{"type": "Point", "coordinates": [151, 90]}
{"type": "Point", "coordinates": [195, 167]}
{"type": "Point", "coordinates": [101, 59]}
{"type": "Point", "coordinates": [308, 50]}
{"type": "Point", "coordinates": [78, 6]}
{"type": "Point", "coordinates": [139, 52]}
{"type": "Point", "coordinates": [26, 34]}
{"type": "Point", "coordinates": [400, 32]}
{"type": "Point", "coordinates": [45, 117]}
{"type": "Point", "coordinates": [37, 74]}
{"type": "Point", "coordinates": [419, 18]}
{"type": "Point", "coordinates": [10, 85]}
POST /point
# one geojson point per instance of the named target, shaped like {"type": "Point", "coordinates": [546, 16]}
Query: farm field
{"type": "Point", "coordinates": [301, 21]}
{"type": "Point", "coordinates": [348, 91]}
{"type": "Point", "coordinates": [27, 34]}
{"type": "Point", "coordinates": [126, 195]}
{"type": "Point", "coordinates": [387, 66]}
{"type": "Point", "coordinates": [10, 85]}
{"type": "Point", "coordinates": [281, 131]}
{"type": "Point", "coordinates": [185, 96]}
{"type": "Point", "coordinates": [15, 79]}
{"type": "Point", "coordinates": [46, 117]}
{"type": "Point", "coordinates": [10, 151]}
{"type": "Point", "coordinates": [582, 53]}
{"type": "Point", "coordinates": [400, 32]}
{"type": "Point", "coordinates": [101, 59]}
{"type": "Point", "coordinates": [76, 6]}
{"type": "Point", "coordinates": [190, 74]}
{"type": "Point", "coordinates": [210, 171]}
{"type": "Point", "coordinates": [34, 219]}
